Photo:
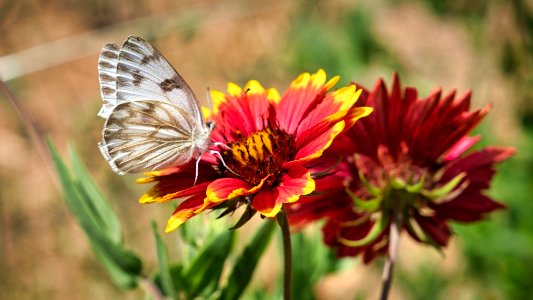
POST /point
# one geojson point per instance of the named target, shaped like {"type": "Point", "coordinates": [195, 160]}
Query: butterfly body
{"type": "Point", "coordinates": [153, 120]}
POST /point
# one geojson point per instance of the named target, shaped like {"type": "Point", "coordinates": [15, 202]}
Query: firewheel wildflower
{"type": "Point", "coordinates": [264, 146]}
{"type": "Point", "coordinates": [406, 168]}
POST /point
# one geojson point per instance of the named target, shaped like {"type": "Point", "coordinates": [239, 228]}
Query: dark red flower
{"type": "Point", "coordinates": [406, 163]}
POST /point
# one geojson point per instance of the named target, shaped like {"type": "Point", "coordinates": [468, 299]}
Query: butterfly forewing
{"type": "Point", "coordinates": [153, 120]}
{"type": "Point", "coordinates": [143, 73]}
{"type": "Point", "coordinates": [107, 73]}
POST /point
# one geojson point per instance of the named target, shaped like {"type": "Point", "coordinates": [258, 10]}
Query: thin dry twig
{"type": "Point", "coordinates": [34, 131]}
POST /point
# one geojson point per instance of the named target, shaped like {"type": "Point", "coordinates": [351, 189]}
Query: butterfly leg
{"type": "Point", "coordinates": [213, 152]}
{"type": "Point", "coordinates": [197, 167]}
{"type": "Point", "coordinates": [220, 144]}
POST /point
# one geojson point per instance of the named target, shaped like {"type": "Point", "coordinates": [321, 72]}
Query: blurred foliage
{"type": "Point", "coordinates": [513, 45]}
{"type": "Point", "coordinates": [198, 276]}
{"type": "Point", "coordinates": [498, 251]}
{"type": "Point", "coordinates": [98, 220]}
{"type": "Point", "coordinates": [425, 283]}
{"type": "Point", "coordinates": [344, 45]}
{"type": "Point", "coordinates": [312, 262]}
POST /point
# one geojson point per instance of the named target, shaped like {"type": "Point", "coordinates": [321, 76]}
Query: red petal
{"type": "Point", "coordinates": [482, 160]}
{"type": "Point", "coordinates": [312, 208]}
{"type": "Point", "coordinates": [436, 228]}
{"type": "Point", "coordinates": [461, 147]}
{"type": "Point", "coordinates": [177, 182]}
{"type": "Point", "coordinates": [186, 210]}
{"type": "Point", "coordinates": [161, 192]}
{"type": "Point", "coordinates": [313, 142]}
{"type": "Point", "coordinates": [242, 115]}
{"type": "Point", "coordinates": [227, 188]}
{"type": "Point", "coordinates": [333, 106]}
{"type": "Point", "coordinates": [304, 94]}
{"type": "Point", "coordinates": [295, 183]}
{"type": "Point", "coordinates": [469, 206]}
{"type": "Point", "coordinates": [265, 202]}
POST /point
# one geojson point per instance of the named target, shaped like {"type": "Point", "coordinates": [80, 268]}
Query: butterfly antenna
{"type": "Point", "coordinates": [228, 104]}
{"type": "Point", "coordinates": [209, 99]}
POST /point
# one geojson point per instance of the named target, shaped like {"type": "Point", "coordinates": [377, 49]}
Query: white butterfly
{"type": "Point", "coordinates": [153, 120]}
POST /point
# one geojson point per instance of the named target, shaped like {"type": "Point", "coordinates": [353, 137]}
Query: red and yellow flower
{"type": "Point", "coordinates": [267, 143]}
{"type": "Point", "coordinates": [405, 164]}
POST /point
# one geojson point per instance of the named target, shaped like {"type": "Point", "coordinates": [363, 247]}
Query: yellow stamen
{"type": "Point", "coordinates": [265, 138]}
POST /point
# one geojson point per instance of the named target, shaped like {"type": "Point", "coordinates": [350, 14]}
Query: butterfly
{"type": "Point", "coordinates": [152, 118]}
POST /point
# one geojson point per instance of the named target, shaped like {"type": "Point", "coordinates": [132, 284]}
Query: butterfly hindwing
{"type": "Point", "coordinates": [147, 135]}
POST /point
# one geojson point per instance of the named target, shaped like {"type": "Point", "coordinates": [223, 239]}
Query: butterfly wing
{"type": "Point", "coordinates": [153, 119]}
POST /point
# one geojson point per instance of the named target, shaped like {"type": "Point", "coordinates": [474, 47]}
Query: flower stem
{"type": "Point", "coordinates": [394, 242]}
{"type": "Point", "coordinates": [287, 254]}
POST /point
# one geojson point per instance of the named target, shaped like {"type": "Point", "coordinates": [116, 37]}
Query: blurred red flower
{"type": "Point", "coordinates": [405, 164]}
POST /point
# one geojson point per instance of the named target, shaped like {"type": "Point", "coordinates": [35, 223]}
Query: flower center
{"type": "Point", "coordinates": [259, 155]}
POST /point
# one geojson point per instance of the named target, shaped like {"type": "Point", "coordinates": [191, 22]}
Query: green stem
{"type": "Point", "coordinates": [394, 242]}
{"type": "Point", "coordinates": [287, 255]}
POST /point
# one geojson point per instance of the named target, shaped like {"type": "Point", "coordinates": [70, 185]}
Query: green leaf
{"type": "Point", "coordinates": [178, 281]}
{"type": "Point", "coordinates": [248, 213]}
{"type": "Point", "coordinates": [122, 265]}
{"type": "Point", "coordinates": [244, 267]}
{"type": "Point", "coordinates": [314, 261]}
{"type": "Point", "coordinates": [164, 270]}
{"type": "Point", "coordinates": [107, 219]}
{"type": "Point", "coordinates": [204, 272]}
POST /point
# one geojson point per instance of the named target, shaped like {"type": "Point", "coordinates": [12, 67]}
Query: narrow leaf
{"type": "Point", "coordinates": [122, 265]}
{"type": "Point", "coordinates": [248, 213]}
{"type": "Point", "coordinates": [106, 216]}
{"type": "Point", "coordinates": [162, 259]}
{"type": "Point", "coordinates": [245, 266]}
{"type": "Point", "coordinates": [203, 274]}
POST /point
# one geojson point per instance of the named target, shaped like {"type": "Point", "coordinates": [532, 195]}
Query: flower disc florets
{"type": "Point", "coordinates": [258, 156]}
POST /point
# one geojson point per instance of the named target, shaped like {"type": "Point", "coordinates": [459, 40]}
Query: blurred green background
{"type": "Point", "coordinates": [49, 52]}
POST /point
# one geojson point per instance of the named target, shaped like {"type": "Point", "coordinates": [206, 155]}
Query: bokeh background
{"type": "Point", "coordinates": [48, 56]}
